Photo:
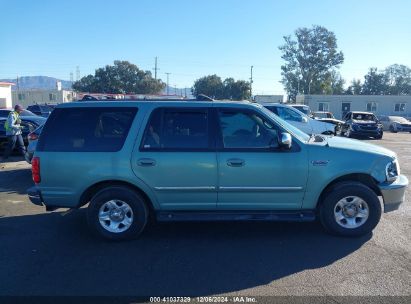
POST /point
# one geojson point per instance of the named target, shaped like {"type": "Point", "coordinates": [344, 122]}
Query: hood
{"type": "Point", "coordinates": [331, 120]}
{"type": "Point", "coordinates": [357, 145]}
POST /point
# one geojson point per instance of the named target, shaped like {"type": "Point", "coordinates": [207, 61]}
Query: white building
{"type": "Point", "coordinates": [29, 97]}
{"type": "Point", "coordinates": [341, 104]}
{"type": "Point", "coordinates": [5, 94]}
{"type": "Point", "coordinates": [268, 98]}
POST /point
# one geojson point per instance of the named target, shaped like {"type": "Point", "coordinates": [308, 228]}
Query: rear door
{"type": "Point", "coordinates": [176, 158]}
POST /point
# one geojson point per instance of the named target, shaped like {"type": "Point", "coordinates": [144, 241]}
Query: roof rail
{"type": "Point", "coordinates": [200, 97]}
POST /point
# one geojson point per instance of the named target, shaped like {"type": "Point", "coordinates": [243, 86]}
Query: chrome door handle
{"type": "Point", "coordinates": [235, 162]}
{"type": "Point", "coordinates": [146, 162]}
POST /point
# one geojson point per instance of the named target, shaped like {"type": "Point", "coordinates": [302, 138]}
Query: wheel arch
{"type": "Point", "coordinates": [362, 178]}
{"type": "Point", "coordinates": [93, 189]}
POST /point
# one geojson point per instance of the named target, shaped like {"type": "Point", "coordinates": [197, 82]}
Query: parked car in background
{"type": "Point", "coordinates": [133, 161]}
{"type": "Point", "coordinates": [29, 124]}
{"type": "Point", "coordinates": [395, 123]}
{"type": "Point", "coordinates": [364, 124]}
{"type": "Point", "coordinates": [5, 113]}
{"type": "Point", "coordinates": [328, 117]}
{"type": "Point", "coordinates": [32, 139]}
{"type": "Point", "coordinates": [301, 120]}
{"type": "Point", "coordinates": [302, 108]}
{"type": "Point", "coordinates": [41, 110]}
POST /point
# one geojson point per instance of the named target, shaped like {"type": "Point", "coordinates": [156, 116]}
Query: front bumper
{"type": "Point", "coordinates": [394, 193]}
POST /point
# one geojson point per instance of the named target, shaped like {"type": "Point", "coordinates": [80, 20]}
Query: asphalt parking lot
{"type": "Point", "coordinates": [54, 254]}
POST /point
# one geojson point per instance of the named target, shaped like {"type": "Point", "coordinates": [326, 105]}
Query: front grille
{"type": "Point", "coordinates": [368, 128]}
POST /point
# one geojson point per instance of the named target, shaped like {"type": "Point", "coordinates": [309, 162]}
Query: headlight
{"type": "Point", "coordinates": [392, 170]}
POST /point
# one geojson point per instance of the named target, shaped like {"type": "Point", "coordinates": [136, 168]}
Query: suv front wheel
{"type": "Point", "coordinates": [350, 209]}
{"type": "Point", "coordinates": [117, 213]}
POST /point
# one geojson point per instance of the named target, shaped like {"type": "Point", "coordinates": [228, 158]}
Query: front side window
{"type": "Point", "coordinates": [86, 130]}
{"type": "Point", "coordinates": [399, 107]}
{"type": "Point", "coordinates": [177, 129]}
{"type": "Point", "coordinates": [241, 129]}
{"type": "Point", "coordinates": [288, 114]}
{"type": "Point", "coordinates": [371, 106]}
{"type": "Point", "coordinates": [323, 106]}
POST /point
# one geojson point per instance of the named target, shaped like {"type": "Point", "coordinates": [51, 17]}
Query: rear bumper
{"type": "Point", "coordinates": [394, 193]}
{"type": "Point", "coordinates": [35, 196]}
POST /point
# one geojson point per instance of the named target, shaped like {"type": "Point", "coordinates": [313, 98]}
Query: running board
{"type": "Point", "coordinates": [211, 216]}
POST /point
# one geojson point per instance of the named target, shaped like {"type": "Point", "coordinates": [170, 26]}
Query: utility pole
{"type": "Point", "coordinates": [77, 73]}
{"type": "Point", "coordinates": [251, 83]}
{"type": "Point", "coordinates": [167, 81]}
{"type": "Point", "coordinates": [155, 68]}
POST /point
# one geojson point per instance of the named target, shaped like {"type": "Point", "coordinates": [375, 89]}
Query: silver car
{"type": "Point", "coordinates": [395, 124]}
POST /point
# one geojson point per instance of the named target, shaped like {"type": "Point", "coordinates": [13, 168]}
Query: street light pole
{"type": "Point", "coordinates": [251, 83]}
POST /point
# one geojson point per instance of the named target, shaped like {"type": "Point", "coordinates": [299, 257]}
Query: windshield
{"type": "Point", "coordinates": [287, 126]}
{"type": "Point", "coordinates": [323, 115]}
{"type": "Point", "coordinates": [363, 116]}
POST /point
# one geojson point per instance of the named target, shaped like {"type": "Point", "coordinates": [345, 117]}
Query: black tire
{"type": "Point", "coordinates": [348, 133]}
{"type": "Point", "coordinates": [379, 136]}
{"type": "Point", "coordinates": [341, 191]}
{"type": "Point", "coordinates": [123, 194]}
{"type": "Point", "coordinates": [392, 129]}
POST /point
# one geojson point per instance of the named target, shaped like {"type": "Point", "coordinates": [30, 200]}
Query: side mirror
{"type": "Point", "coordinates": [304, 119]}
{"type": "Point", "coordinates": [286, 140]}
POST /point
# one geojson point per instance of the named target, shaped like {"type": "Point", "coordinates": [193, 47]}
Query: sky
{"type": "Point", "coordinates": [195, 38]}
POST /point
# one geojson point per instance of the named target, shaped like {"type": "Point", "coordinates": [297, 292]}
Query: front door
{"type": "Point", "coordinates": [177, 160]}
{"type": "Point", "coordinates": [254, 172]}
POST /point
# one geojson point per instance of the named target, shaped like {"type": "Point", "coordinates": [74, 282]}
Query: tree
{"type": "Point", "coordinates": [211, 86]}
{"type": "Point", "coordinates": [215, 88]}
{"type": "Point", "coordinates": [398, 78]}
{"type": "Point", "coordinates": [121, 78]}
{"type": "Point", "coordinates": [375, 83]}
{"type": "Point", "coordinates": [310, 59]}
{"type": "Point", "coordinates": [355, 88]}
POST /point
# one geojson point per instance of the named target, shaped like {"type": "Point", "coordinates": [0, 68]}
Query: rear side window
{"type": "Point", "coordinates": [86, 130]}
{"type": "Point", "coordinates": [177, 129]}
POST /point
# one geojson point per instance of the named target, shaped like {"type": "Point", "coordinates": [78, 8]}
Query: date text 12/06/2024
{"type": "Point", "coordinates": [234, 299]}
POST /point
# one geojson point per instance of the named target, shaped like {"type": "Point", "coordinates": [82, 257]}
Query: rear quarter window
{"type": "Point", "coordinates": [86, 129]}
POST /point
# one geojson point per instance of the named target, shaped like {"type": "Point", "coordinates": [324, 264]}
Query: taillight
{"type": "Point", "coordinates": [33, 136]}
{"type": "Point", "coordinates": [35, 169]}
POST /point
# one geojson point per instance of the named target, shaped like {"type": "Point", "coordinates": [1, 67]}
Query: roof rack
{"type": "Point", "coordinates": [200, 97]}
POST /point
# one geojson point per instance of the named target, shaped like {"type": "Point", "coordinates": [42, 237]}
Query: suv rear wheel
{"type": "Point", "coordinates": [117, 213]}
{"type": "Point", "coordinates": [350, 209]}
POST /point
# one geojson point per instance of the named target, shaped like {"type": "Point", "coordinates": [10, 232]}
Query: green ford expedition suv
{"type": "Point", "coordinates": [133, 161]}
